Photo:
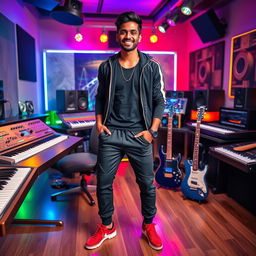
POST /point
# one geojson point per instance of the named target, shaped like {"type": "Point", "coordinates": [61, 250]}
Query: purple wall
{"type": "Point", "coordinates": [25, 16]}
{"type": "Point", "coordinates": [240, 18]}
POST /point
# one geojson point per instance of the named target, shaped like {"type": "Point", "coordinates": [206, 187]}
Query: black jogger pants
{"type": "Point", "coordinates": [112, 148]}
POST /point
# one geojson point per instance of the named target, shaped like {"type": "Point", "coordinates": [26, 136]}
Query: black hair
{"type": "Point", "coordinates": [126, 17]}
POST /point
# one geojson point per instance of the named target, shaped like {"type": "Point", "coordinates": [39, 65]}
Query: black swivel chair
{"type": "Point", "coordinates": [83, 163]}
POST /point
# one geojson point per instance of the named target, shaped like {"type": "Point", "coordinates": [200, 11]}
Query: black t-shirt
{"type": "Point", "coordinates": [127, 110]}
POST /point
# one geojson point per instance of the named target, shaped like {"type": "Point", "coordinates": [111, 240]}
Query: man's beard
{"type": "Point", "coordinates": [135, 44]}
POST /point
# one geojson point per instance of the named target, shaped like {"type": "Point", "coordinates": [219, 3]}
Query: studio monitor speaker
{"type": "Point", "coordinates": [71, 100]}
{"type": "Point", "coordinates": [208, 26]}
{"type": "Point", "coordinates": [245, 98]}
{"type": "Point", "coordinates": [22, 108]}
{"type": "Point", "coordinates": [212, 99]}
{"type": "Point", "coordinates": [29, 107]}
{"type": "Point", "coordinates": [82, 100]}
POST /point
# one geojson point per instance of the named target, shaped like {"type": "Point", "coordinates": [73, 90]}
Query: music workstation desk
{"type": "Point", "coordinates": [30, 146]}
{"type": "Point", "coordinates": [236, 172]}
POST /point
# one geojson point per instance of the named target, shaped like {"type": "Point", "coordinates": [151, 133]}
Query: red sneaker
{"type": "Point", "coordinates": [154, 239]}
{"type": "Point", "coordinates": [101, 234]}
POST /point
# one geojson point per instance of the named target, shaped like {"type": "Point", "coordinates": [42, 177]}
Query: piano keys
{"type": "Point", "coordinates": [246, 160]}
{"type": "Point", "coordinates": [11, 179]}
{"type": "Point", "coordinates": [22, 140]}
{"type": "Point", "coordinates": [223, 131]}
{"type": "Point", "coordinates": [78, 120]}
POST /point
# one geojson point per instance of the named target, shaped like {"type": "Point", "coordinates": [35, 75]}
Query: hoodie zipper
{"type": "Point", "coordinates": [110, 85]}
{"type": "Point", "coordinates": [141, 96]}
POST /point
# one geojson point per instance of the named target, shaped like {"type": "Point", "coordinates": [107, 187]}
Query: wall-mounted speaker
{"type": "Point", "coordinates": [71, 101]}
{"type": "Point", "coordinates": [245, 98]}
{"type": "Point", "coordinates": [212, 99]}
{"type": "Point", "coordinates": [208, 26]}
{"type": "Point", "coordinates": [29, 107]}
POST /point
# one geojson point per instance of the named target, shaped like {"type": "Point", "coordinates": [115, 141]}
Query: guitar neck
{"type": "Point", "coordinates": [169, 139]}
{"type": "Point", "coordinates": [196, 146]}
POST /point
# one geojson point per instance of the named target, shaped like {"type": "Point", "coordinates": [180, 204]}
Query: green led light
{"type": "Point", "coordinates": [186, 10]}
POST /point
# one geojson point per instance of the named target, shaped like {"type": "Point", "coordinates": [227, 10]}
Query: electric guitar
{"type": "Point", "coordinates": [168, 173]}
{"type": "Point", "coordinates": [193, 185]}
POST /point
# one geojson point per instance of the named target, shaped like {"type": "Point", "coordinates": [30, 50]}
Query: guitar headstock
{"type": "Point", "coordinates": [200, 112]}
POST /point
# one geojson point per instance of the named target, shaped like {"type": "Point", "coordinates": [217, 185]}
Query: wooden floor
{"type": "Point", "coordinates": [219, 227]}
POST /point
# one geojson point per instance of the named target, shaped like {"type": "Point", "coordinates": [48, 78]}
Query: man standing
{"type": "Point", "coordinates": [129, 108]}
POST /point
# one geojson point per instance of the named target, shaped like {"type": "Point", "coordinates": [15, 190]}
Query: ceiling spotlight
{"type": "Point", "coordinates": [163, 27]}
{"type": "Point", "coordinates": [186, 7]}
{"type": "Point", "coordinates": [103, 36]}
{"type": "Point", "coordinates": [78, 35]}
{"type": "Point", "coordinates": [153, 38]}
{"type": "Point", "coordinates": [172, 20]}
{"type": "Point", "coordinates": [70, 13]}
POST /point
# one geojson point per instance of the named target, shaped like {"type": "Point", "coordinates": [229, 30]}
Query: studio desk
{"type": "Point", "coordinates": [27, 149]}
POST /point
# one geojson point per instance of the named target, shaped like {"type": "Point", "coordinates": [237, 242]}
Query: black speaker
{"type": "Point", "coordinates": [71, 101]}
{"type": "Point", "coordinates": [208, 26]}
{"type": "Point", "coordinates": [82, 100]}
{"type": "Point", "coordinates": [70, 13]}
{"type": "Point", "coordinates": [212, 99]}
{"type": "Point", "coordinates": [29, 107]}
{"type": "Point", "coordinates": [245, 98]}
{"type": "Point", "coordinates": [2, 115]}
{"type": "Point", "coordinates": [22, 108]}
{"type": "Point", "coordinates": [66, 101]}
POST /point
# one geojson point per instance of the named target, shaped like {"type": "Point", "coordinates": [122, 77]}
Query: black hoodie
{"type": "Point", "coordinates": [152, 95]}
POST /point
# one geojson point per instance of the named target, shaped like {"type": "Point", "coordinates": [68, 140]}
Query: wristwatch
{"type": "Point", "coordinates": [153, 133]}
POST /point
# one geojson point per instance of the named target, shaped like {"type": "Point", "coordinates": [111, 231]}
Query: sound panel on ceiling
{"type": "Point", "coordinates": [208, 26]}
{"type": "Point", "coordinates": [212, 99]}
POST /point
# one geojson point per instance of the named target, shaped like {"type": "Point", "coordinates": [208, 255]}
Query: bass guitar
{"type": "Point", "coordinates": [168, 173]}
{"type": "Point", "coordinates": [193, 185]}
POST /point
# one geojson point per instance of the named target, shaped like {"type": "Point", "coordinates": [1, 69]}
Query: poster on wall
{"type": "Point", "coordinates": [78, 70]}
{"type": "Point", "coordinates": [206, 67]}
{"type": "Point", "coordinates": [243, 59]}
